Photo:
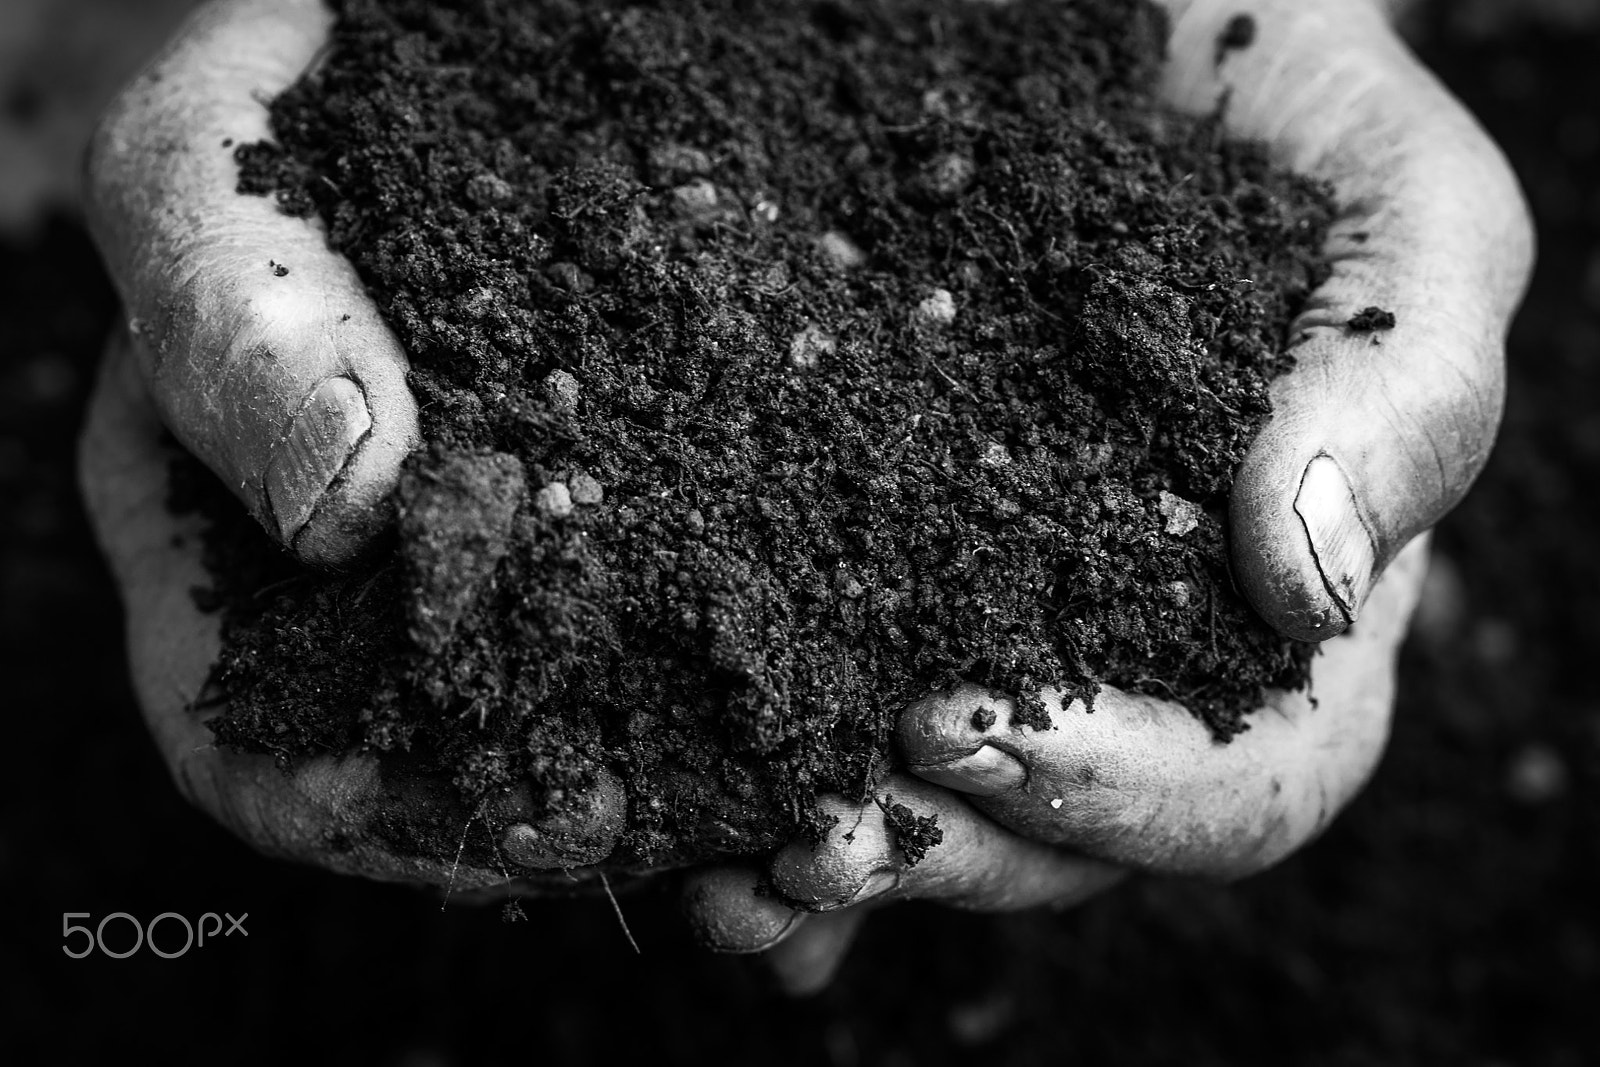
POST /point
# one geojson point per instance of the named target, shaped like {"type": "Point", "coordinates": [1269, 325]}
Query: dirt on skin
{"type": "Point", "coordinates": [779, 363]}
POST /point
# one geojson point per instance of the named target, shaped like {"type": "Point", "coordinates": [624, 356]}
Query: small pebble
{"type": "Point", "coordinates": [994, 454]}
{"type": "Point", "coordinates": [808, 347]}
{"type": "Point", "coordinates": [697, 199]}
{"type": "Point", "coordinates": [841, 251]}
{"type": "Point", "coordinates": [488, 190]}
{"type": "Point", "coordinates": [765, 211]}
{"type": "Point", "coordinates": [695, 522]}
{"type": "Point", "coordinates": [554, 500]}
{"type": "Point", "coordinates": [1182, 595]}
{"type": "Point", "coordinates": [1056, 803]}
{"type": "Point", "coordinates": [1182, 515]}
{"type": "Point", "coordinates": [562, 391]}
{"type": "Point", "coordinates": [585, 490]}
{"type": "Point", "coordinates": [937, 311]}
{"type": "Point", "coordinates": [673, 163]}
{"type": "Point", "coordinates": [948, 176]}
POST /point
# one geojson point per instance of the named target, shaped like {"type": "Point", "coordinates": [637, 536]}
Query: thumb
{"type": "Point", "coordinates": [258, 345]}
{"type": "Point", "coordinates": [1376, 432]}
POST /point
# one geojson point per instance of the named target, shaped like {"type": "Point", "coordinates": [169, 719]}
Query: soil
{"type": "Point", "coordinates": [1448, 917]}
{"type": "Point", "coordinates": [1371, 319]}
{"type": "Point", "coordinates": [779, 363]}
{"type": "Point", "coordinates": [1237, 35]}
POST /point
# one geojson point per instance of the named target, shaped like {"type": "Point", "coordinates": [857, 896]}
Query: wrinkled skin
{"type": "Point", "coordinates": [292, 389]}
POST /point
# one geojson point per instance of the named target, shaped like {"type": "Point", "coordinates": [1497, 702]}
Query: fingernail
{"type": "Point", "coordinates": [325, 431]}
{"type": "Point", "coordinates": [777, 938]}
{"type": "Point", "coordinates": [1341, 547]}
{"type": "Point", "coordinates": [987, 772]}
{"type": "Point", "coordinates": [879, 883]}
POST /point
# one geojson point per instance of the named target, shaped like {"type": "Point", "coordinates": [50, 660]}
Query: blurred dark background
{"type": "Point", "coordinates": [1452, 916]}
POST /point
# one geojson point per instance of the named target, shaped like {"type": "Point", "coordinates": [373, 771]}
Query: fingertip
{"type": "Point", "coordinates": [1303, 555]}
{"type": "Point", "coordinates": [322, 442]}
{"type": "Point", "coordinates": [728, 914]}
{"type": "Point", "coordinates": [948, 726]}
{"type": "Point", "coordinates": [328, 479]}
{"type": "Point", "coordinates": [854, 861]}
{"type": "Point", "coordinates": [1342, 547]}
{"type": "Point", "coordinates": [581, 834]}
{"type": "Point", "coordinates": [977, 863]}
{"type": "Point", "coordinates": [943, 738]}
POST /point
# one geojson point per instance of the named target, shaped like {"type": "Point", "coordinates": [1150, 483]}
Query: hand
{"type": "Point", "coordinates": [354, 813]}
{"type": "Point", "coordinates": [1052, 817]}
{"type": "Point", "coordinates": [1373, 439]}
{"type": "Point", "coordinates": [290, 387]}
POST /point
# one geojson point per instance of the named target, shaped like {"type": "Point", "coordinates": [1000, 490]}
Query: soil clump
{"type": "Point", "coordinates": [779, 362]}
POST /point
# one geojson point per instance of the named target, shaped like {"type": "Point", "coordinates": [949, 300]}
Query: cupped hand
{"type": "Point", "coordinates": [1375, 436]}
{"type": "Point", "coordinates": [258, 349]}
{"type": "Point", "coordinates": [353, 813]}
{"type": "Point", "coordinates": [1051, 817]}
{"type": "Point", "coordinates": [256, 346]}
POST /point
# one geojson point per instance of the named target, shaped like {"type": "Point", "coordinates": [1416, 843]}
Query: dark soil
{"type": "Point", "coordinates": [1447, 918]}
{"type": "Point", "coordinates": [1371, 319]}
{"type": "Point", "coordinates": [1237, 35]}
{"type": "Point", "coordinates": [780, 362]}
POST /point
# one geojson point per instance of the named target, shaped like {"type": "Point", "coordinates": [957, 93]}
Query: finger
{"type": "Point", "coordinates": [414, 816]}
{"type": "Point", "coordinates": [1375, 433]}
{"type": "Point", "coordinates": [581, 833]}
{"type": "Point", "coordinates": [155, 557]}
{"type": "Point", "coordinates": [806, 963]}
{"type": "Point", "coordinates": [728, 913]}
{"type": "Point", "coordinates": [347, 813]}
{"type": "Point", "coordinates": [977, 864]}
{"type": "Point", "coordinates": [1141, 782]}
{"type": "Point", "coordinates": [260, 348]}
